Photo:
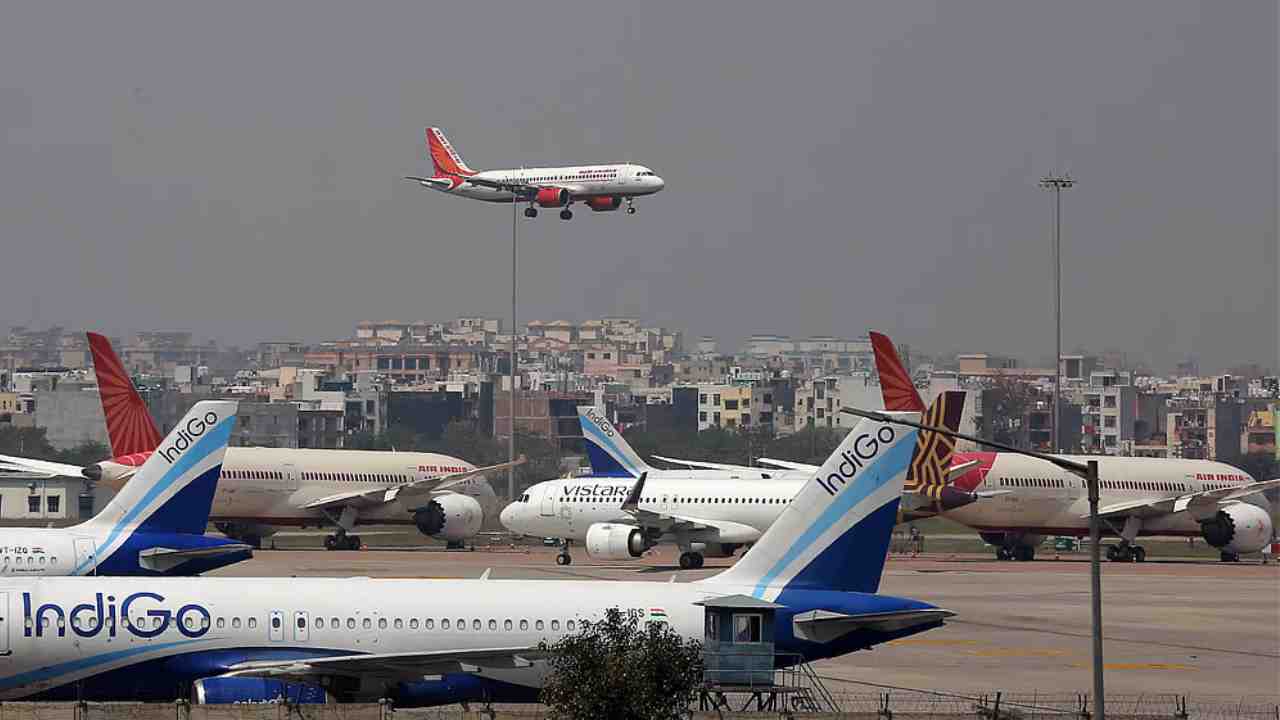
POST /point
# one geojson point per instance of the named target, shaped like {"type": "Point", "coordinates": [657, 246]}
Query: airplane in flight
{"type": "Point", "coordinates": [602, 188]}
{"type": "Point", "coordinates": [702, 510]}
{"type": "Point", "coordinates": [425, 642]}
{"type": "Point", "coordinates": [154, 526]}
{"type": "Point", "coordinates": [263, 489]}
{"type": "Point", "coordinates": [1138, 496]}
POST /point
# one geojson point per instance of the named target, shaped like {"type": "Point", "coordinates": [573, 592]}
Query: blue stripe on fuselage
{"type": "Point", "coordinates": [872, 477]}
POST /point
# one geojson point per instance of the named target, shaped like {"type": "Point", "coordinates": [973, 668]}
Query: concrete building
{"type": "Point", "coordinates": [71, 416]}
{"type": "Point", "coordinates": [1110, 413]}
{"type": "Point", "coordinates": [38, 501]}
{"type": "Point", "coordinates": [735, 406]}
{"type": "Point", "coordinates": [553, 415]}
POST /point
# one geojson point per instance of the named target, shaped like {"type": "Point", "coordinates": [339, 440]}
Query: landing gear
{"type": "Point", "coordinates": [1024, 553]}
{"type": "Point", "coordinates": [566, 214]}
{"type": "Point", "coordinates": [455, 545]}
{"type": "Point", "coordinates": [631, 207]}
{"type": "Point", "coordinates": [1229, 556]}
{"type": "Point", "coordinates": [564, 558]}
{"type": "Point", "coordinates": [690, 560]}
{"type": "Point", "coordinates": [531, 212]}
{"type": "Point", "coordinates": [1003, 553]}
{"type": "Point", "coordinates": [1124, 552]}
{"type": "Point", "coordinates": [342, 541]}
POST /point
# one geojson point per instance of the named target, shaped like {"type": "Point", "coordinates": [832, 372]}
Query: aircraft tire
{"type": "Point", "coordinates": [531, 212]}
{"type": "Point", "coordinates": [689, 560]}
{"type": "Point", "coordinates": [631, 211]}
{"type": "Point", "coordinates": [563, 559]}
{"type": "Point", "coordinates": [352, 542]}
{"type": "Point", "coordinates": [1024, 553]}
{"type": "Point", "coordinates": [330, 542]}
{"type": "Point", "coordinates": [1229, 557]}
{"type": "Point", "coordinates": [1139, 554]}
{"type": "Point", "coordinates": [566, 214]}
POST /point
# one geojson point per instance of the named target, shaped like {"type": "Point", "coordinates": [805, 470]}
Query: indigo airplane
{"type": "Point", "coordinates": [423, 642]}
{"type": "Point", "coordinates": [154, 526]}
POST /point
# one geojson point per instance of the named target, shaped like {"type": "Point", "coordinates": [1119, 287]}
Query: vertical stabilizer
{"type": "Point", "coordinates": [835, 533]}
{"type": "Point", "coordinates": [173, 490]}
{"type": "Point", "coordinates": [130, 427]}
{"type": "Point", "coordinates": [610, 455]}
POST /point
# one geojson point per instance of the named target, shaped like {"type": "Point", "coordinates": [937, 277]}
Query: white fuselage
{"type": "Point", "coordinates": [69, 640]}
{"type": "Point", "coordinates": [272, 485]}
{"type": "Point", "coordinates": [581, 181]}
{"type": "Point", "coordinates": [566, 508]}
{"type": "Point", "coordinates": [1039, 498]}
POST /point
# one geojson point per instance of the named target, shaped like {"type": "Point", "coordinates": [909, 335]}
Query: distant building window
{"type": "Point", "coordinates": [53, 502]}
{"type": "Point", "coordinates": [730, 404]}
{"type": "Point", "coordinates": [702, 417]}
{"type": "Point", "coordinates": [384, 363]}
{"type": "Point", "coordinates": [716, 400]}
{"type": "Point", "coordinates": [702, 399]}
{"type": "Point", "coordinates": [33, 503]}
{"type": "Point", "coordinates": [716, 418]}
{"type": "Point", "coordinates": [592, 356]}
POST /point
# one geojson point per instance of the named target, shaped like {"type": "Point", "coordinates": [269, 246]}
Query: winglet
{"type": "Point", "coordinates": [632, 503]}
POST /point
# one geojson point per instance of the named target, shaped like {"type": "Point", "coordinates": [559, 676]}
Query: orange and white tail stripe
{"type": "Point", "coordinates": [447, 161]}
{"type": "Point", "coordinates": [130, 427]}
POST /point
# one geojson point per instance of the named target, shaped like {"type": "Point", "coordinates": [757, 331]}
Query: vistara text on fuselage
{"type": "Point", "coordinates": [602, 188]}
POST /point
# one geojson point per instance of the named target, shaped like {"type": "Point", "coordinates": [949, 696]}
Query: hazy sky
{"type": "Point", "coordinates": [234, 168]}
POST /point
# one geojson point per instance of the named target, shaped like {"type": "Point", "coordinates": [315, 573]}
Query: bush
{"type": "Point", "coordinates": [617, 668]}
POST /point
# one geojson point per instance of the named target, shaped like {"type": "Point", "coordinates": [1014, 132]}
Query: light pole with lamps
{"type": "Point", "coordinates": [1089, 473]}
{"type": "Point", "coordinates": [1057, 183]}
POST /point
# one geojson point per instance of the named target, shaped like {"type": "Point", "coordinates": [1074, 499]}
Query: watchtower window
{"type": "Point", "coordinates": [746, 628]}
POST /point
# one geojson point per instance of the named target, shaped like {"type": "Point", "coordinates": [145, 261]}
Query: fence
{"type": "Point", "coordinates": [892, 704]}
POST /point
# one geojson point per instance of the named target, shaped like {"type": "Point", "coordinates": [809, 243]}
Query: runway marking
{"type": "Point", "coordinates": [1138, 666]}
{"type": "Point", "coordinates": [1019, 652]}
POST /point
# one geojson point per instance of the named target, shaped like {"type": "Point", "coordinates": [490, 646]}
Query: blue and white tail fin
{"type": "Point", "coordinates": [835, 533]}
{"type": "Point", "coordinates": [173, 490]}
{"type": "Point", "coordinates": [608, 452]}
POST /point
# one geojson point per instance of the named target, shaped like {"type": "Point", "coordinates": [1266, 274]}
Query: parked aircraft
{"type": "Point", "coordinates": [701, 510]}
{"type": "Point", "coordinates": [1138, 496]}
{"type": "Point", "coordinates": [154, 526]}
{"type": "Point", "coordinates": [313, 639]}
{"type": "Point", "coordinates": [601, 187]}
{"type": "Point", "coordinates": [263, 489]}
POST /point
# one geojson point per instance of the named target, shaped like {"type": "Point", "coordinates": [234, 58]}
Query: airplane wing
{"type": "Point", "coordinates": [787, 464]}
{"type": "Point", "coordinates": [825, 625]}
{"type": "Point", "coordinates": [1201, 503]}
{"type": "Point", "coordinates": [384, 495]}
{"type": "Point", "coordinates": [161, 559]}
{"type": "Point", "coordinates": [40, 467]}
{"type": "Point", "coordinates": [524, 190]}
{"type": "Point", "coordinates": [706, 465]}
{"type": "Point", "coordinates": [727, 531]}
{"type": "Point", "coordinates": [390, 666]}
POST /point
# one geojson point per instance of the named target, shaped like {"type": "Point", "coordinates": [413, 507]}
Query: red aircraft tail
{"type": "Point", "coordinates": [130, 427]}
{"type": "Point", "coordinates": [899, 392]}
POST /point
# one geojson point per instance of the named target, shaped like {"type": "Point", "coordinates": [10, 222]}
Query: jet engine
{"type": "Point", "coordinates": [1238, 528]}
{"type": "Point", "coordinates": [452, 517]}
{"type": "Point", "coordinates": [604, 203]}
{"type": "Point", "coordinates": [611, 541]}
{"type": "Point", "coordinates": [552, 197]}
{"type": "Point", "coordinates": [244, 690]}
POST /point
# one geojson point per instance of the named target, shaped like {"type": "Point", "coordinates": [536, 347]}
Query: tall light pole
{"type": "Point", "coordinates": [1057, 183]}
{"type": "Point", "coordinates": [511, 441]}
{"type": "Point", "coordinates": [1088, 472]}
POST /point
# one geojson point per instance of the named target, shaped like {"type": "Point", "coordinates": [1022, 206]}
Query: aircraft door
{"type": "Point", "coordinates": [86, 555]}
{"type": "Point", "coordinates": [290, 477]}
{"type": "Point", "coordinates": [547, 506]}
{"type": "Point", "coordinates": [5, 651]}
{"type": "Point", "coordinates": [300, 627]}
{"type": "Point", "coordinates": [275, 626]}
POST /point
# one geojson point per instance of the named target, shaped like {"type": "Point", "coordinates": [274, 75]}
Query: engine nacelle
{"type": "Point", "coordinates": [1238, 528]}
{"type": "Point", "coordinates": [611, 541]}
{"type": "Point", "coordinates": [250, 690]}
{"type": "Point", "coordinates": [451, 517]}
{"type": "Point", "coordinates": [552, 197]}
{"type": "Point", "coordinates": [604, 204]}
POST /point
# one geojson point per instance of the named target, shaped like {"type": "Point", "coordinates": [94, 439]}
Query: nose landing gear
{"type": "Point", "coordinates": [564, 558]}
{"type": "Point", "coordinates": [631, 206]}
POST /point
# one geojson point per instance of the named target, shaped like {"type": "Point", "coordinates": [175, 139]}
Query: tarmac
{"type": "Point", "coordinates": [1186, 626]}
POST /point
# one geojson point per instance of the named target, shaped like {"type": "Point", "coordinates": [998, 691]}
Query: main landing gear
{"type": "Point", "coordinates": [1024, 553]}
{"type": "Point", "coordinates": [564, 558]}
{"type": "Point", "coordinates": [690, 560]}
{"type": "Point", "coordinates": [566, 214]}
{"type": "Point", "coordinates": [1126, 552]}
{"type": "Point", "coordinates": [531, 212]}
{"type": "Point", "coordinates": [342, 541]}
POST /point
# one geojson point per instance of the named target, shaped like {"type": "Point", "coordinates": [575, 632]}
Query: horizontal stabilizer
{"type": "Point", "coordinates": [956, 471]}
{"type": "Point", "coordinates": [9, 463]}
{"type": "Point", "coordinates": [824, 626]}
{"type": "Point", "coordinates": [788, 465]}
{"type": "Point", "coordinates": [161, 559]}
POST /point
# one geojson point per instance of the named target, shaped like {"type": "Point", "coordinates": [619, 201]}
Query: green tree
{"type": "Point", "coordinates": [618, 668]}
{"type": "Point", "coordinates": [27, 442]}
{"type": "Point", "coordinates": [86, 453]}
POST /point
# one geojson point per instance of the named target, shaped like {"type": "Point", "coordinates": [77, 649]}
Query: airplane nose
{"type": "Point", "coordinates": [508, 517]}
{"type": "Point", "coordinates": [659, 182]}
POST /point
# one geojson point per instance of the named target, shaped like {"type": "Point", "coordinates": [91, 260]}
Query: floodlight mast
{"type": "Point", "coordinates": [1086, 470]}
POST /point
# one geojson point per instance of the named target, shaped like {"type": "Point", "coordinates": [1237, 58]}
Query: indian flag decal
{"type": "Point", "coordinates": [657, 614]}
